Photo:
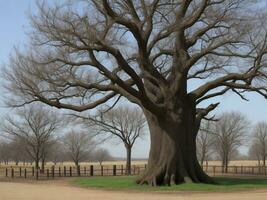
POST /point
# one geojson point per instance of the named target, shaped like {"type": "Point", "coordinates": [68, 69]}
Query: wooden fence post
{"type": "Point", "coordinates": [59, 171]}
{"type": "Point", "coordinates": [70, 171]}
{"type": "Point", "coordinates": [102, 170]}
{"type": "Point", "coordinates": [133, 169]}
{"type": "Point", "coordinates": [79, 170]}
{"type": "Point", "coordinates": [47, 173]}
{"type": "Point", "coordinates": [53, 171]}
{"type": "Point", "coordinates": [121, 169]}
{"type": "Point", "coordinates": [37, 174]}
{"type": "Point", "coordinates": [12, 172]}
{"type": "Point", "coordinates": [91, 170]}
{"type": "Point", "coordinates": [114, 170]}
{"type": "Point", "coordinates": [32, 171]}
{"type": "Point", "coordinates": [25, 173]}
{"type": "Point", "coordinates": [65, 174]}
{"type": "Point", "coordinates": [6, 172]}
{"type": "Point", "coordinates": [20, 172]}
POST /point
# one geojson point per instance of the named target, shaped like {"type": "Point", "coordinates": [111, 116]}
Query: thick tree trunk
{"type": "Point", "coordinates": [172, 158]}
{"type": "Point", "coordinates": [128, 159]}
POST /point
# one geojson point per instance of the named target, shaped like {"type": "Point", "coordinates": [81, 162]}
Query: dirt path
{"type": "Point", "coordinates": [56, 191]}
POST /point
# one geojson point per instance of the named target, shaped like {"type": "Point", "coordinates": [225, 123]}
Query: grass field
{"type": "Point", "coordinates": [128, 183]}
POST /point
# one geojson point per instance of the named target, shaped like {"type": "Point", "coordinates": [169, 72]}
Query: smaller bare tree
{"type": "Point", "coordinates": [35, 126]}
{"type": "Point", "coordinates": [204, 142]}
{"type": "Point", "coordinates": [18, 151]}
{"type": "Point", "coordinates": [46, 150]}
{"type": "Point", "coordinates": [123, 123]}
{"type": "Point", "coordinates": [5, 153]}
{"type": "Point", "coordinates": [260, 140]}
{"type": "Point", "coordinates": [78, 146]}
{"type": "Point", "coordinates": [102, 155]}
{"type": "Point", "coordinates": [229, 134]}
{"type": "Point", "coordinates": [56, 152]}
{"type": "Point", "coordinates": [254, 152]}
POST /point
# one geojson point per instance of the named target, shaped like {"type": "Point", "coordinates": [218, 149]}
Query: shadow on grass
{"type": "Point", "coordinates": [240, 181]}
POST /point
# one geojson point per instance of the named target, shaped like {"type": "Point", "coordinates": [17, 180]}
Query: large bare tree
{"type": "Point", "coordinates": [148, 51]}
{"type": "Point", "coordinates": [229, 134]}
{"type": "Point", "coordinates": [126, 124]}
{"type": "Point", "coordinates": [260, 140]}
{"type": "Point", "coordinates": [34, 126]}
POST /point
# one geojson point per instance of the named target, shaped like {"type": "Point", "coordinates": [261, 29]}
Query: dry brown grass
{"type": "Point", "coordinates": [136, 162]}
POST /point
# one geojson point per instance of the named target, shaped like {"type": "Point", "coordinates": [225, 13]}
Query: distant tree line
{"type": "Point", "coordinates": [221, 139]}
{"type": "Point", "coordinates": [37, 135]}
{"type": "Point", "coordinates": [32, 135]}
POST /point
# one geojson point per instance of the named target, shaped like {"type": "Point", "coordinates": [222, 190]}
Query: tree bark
{"type": "Point", "coordinates": [172, 158]}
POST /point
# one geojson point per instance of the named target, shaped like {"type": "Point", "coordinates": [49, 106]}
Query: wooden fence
{"type": "Point", "coordinates": [242, 170]}
{"type": "Point", "coordinates": [115, 170]}
{"type": "Point", "coordinates": [69, 171]}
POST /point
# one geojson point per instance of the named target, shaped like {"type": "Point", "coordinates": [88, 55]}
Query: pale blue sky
{"type": "Point", "coordinates": [14, 24]}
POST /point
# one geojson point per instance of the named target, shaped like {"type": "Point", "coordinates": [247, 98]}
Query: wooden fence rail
{"type": "Point", "coordinates": [69, 171]}
{"type": "Point", "coordinates": [115, 170]}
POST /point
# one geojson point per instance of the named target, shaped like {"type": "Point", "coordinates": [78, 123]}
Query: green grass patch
{"type": "Point", "coordinates": [128, 183]}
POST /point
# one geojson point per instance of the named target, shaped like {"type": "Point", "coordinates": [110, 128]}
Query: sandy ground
{"type": "Point", "coordinates": [61, 191]}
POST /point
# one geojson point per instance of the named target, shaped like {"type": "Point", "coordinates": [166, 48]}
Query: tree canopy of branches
{"type": "Point", "coordinates": [259, 144]}
{"type": "Point", "coordinates": [127, 124]}
{"type": "Point", "coordinates": [148, 51]}
{"type": "Point", "coordinates": [229, 134]}
{"type": "Point", "coordinates": [35, 127]}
